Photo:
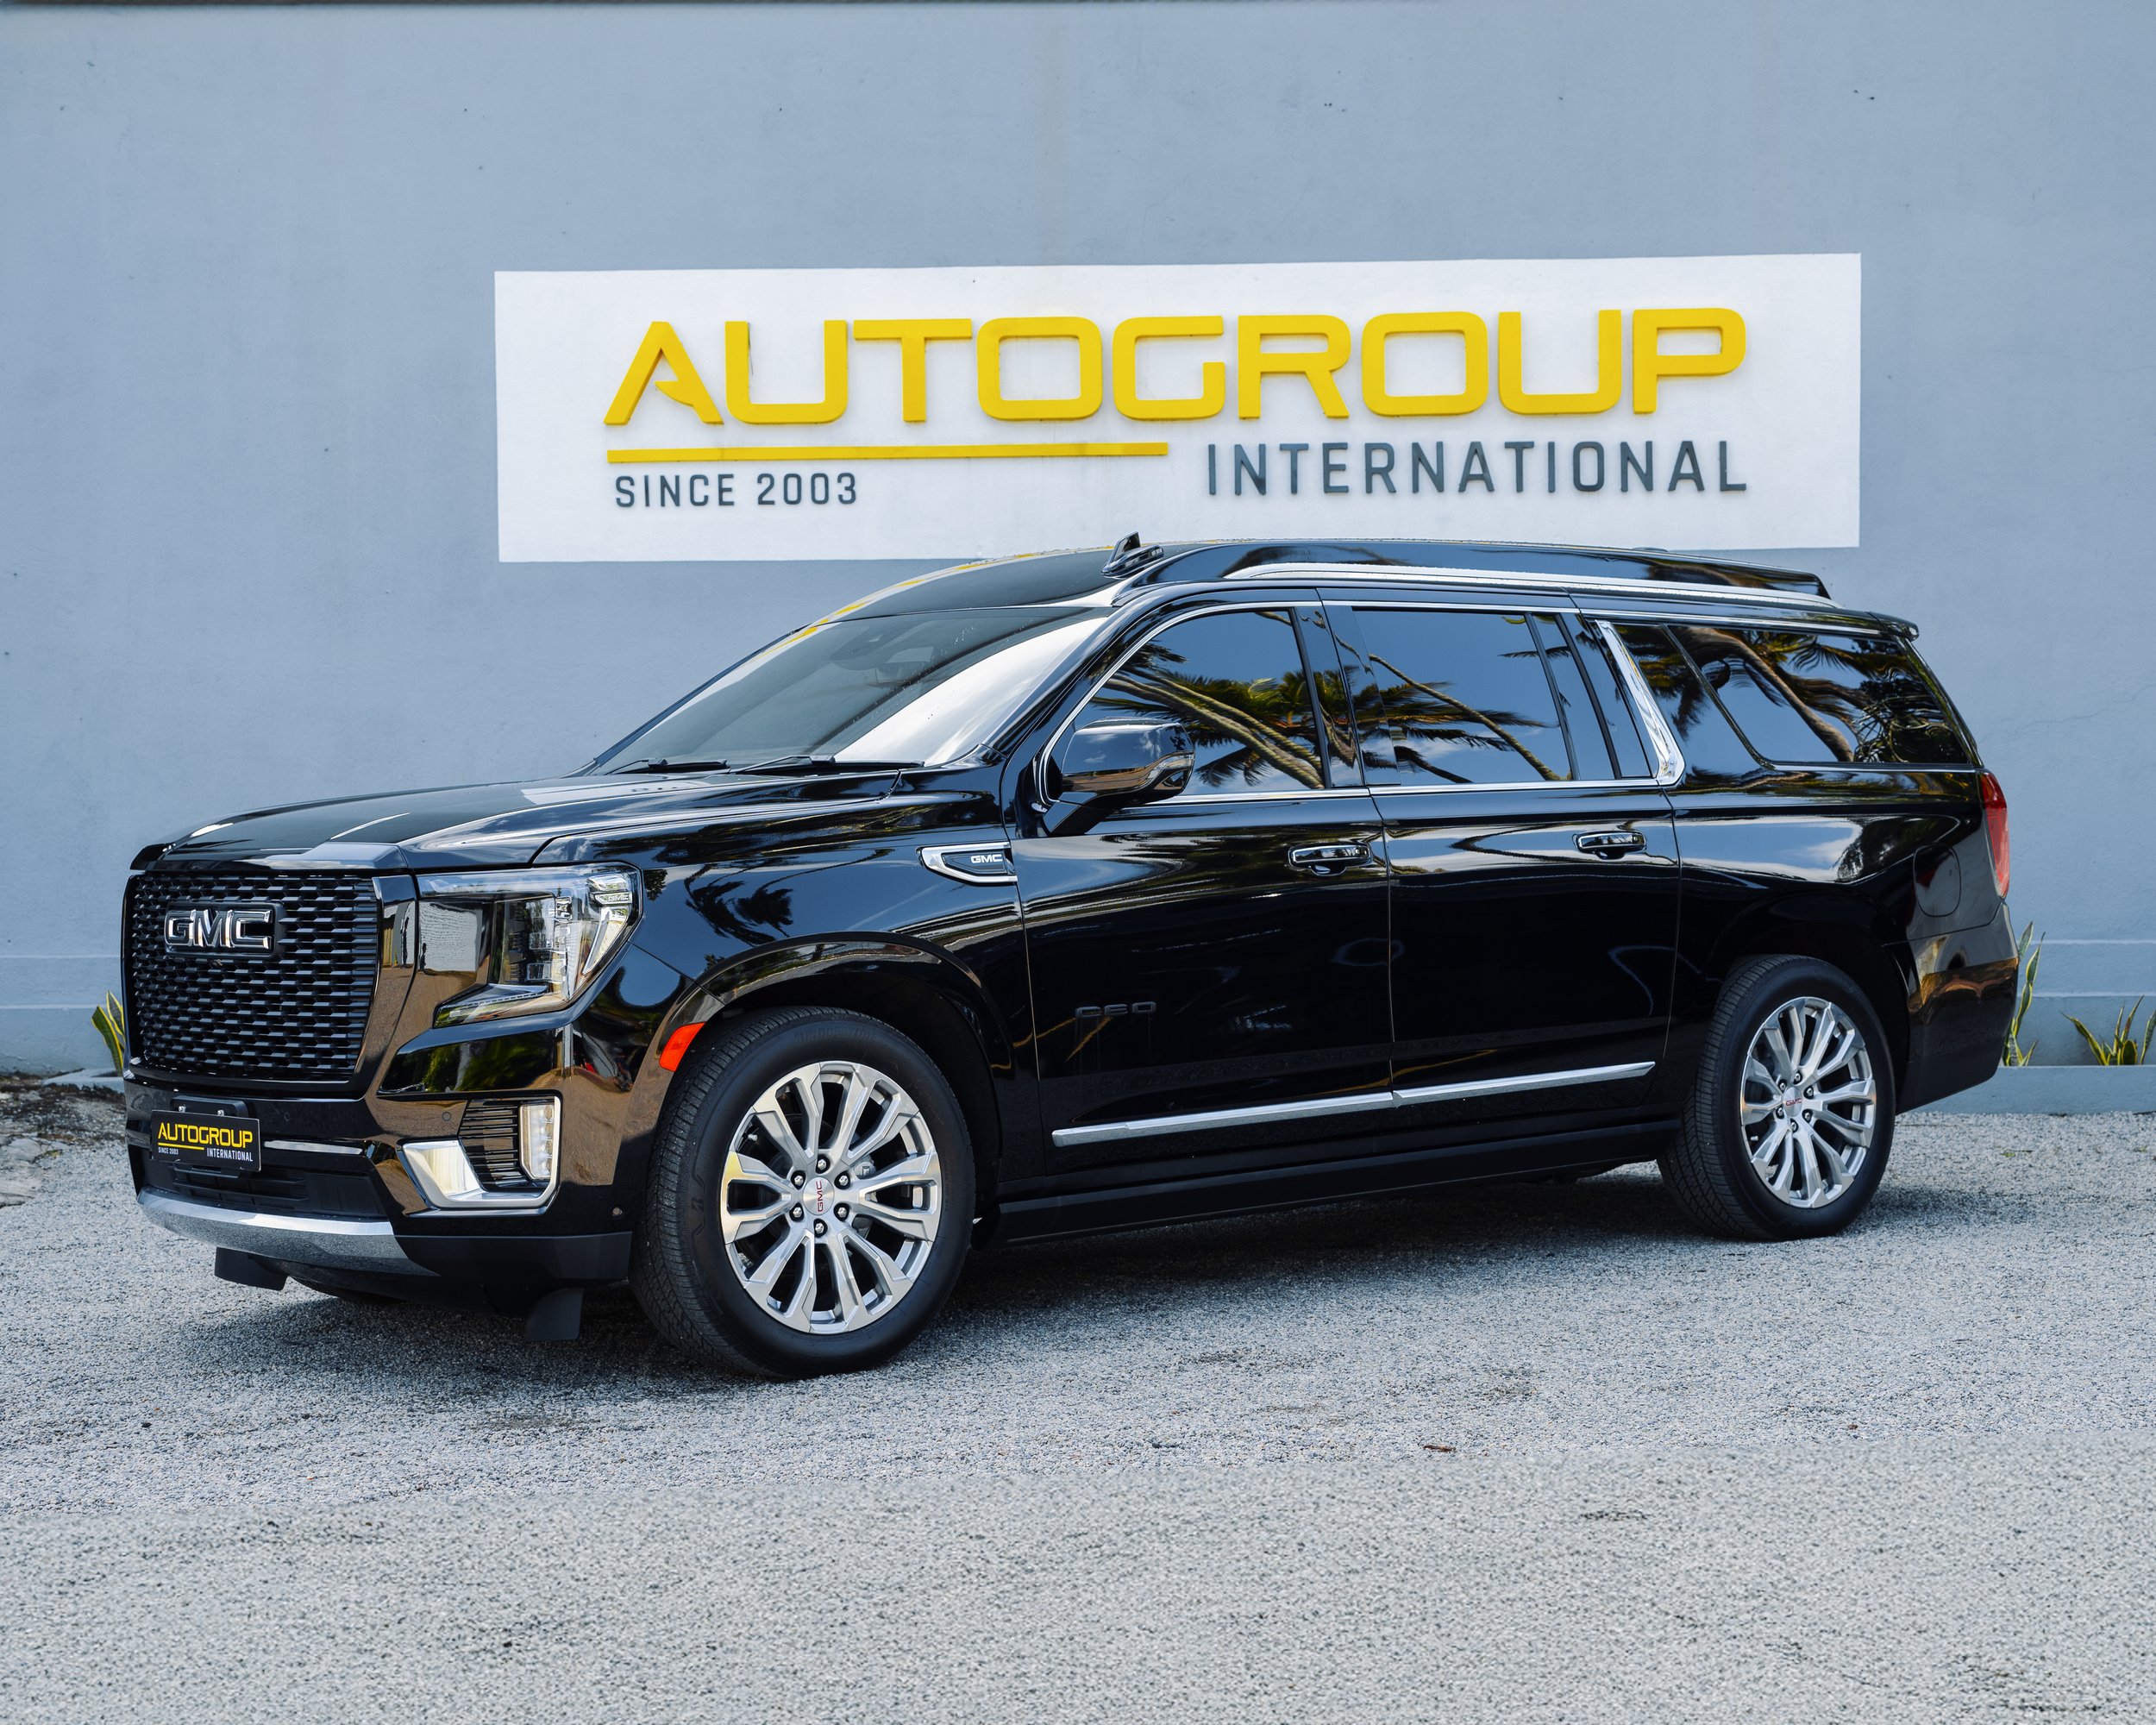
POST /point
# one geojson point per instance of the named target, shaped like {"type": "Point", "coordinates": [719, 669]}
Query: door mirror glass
{"type": "Point", "coordinates": [1126, 763]}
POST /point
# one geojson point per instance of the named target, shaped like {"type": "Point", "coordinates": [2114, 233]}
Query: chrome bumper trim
{"type": "Point", "coordinates": [1156, 1124]}
{"type": "Point", "coordinates": [312, 1146]}
{"type": "Point", "coordinates": [330, 1242]}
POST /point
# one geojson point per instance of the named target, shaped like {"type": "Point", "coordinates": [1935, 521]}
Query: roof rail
{"type": "Point", "coordinates": [1462, 558]}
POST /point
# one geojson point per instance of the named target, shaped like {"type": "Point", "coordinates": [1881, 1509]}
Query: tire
{"type": "Point", "coordinates": [870, 1268]}
{"type": "Point", "coordinates": [1730, 1169]}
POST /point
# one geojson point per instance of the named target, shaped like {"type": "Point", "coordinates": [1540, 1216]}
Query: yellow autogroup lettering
{"type": "Point", "coordinates": [913, 334]}
{"type": "Point", "coordinates": [1474, 336]}
{"type": "Point", "coordinates": [685, 386]}
{"type": "Point", "coordinates": [1327, 347]}
{"type": "Point", "coordinates": [821, 412]}
{"type": "Point", "coordinates": [1254, 362]}
{"type": "Point", "coordinates": [1609, 367]}
{"type": "Point", "coordinates": [1212, 375]}
{"type": "Point", "coordinates": [988, 366]}
{"type": "Point", "coordinates": [190, 1132]}
{"type": "Point", "coordinates": [1649, 365]}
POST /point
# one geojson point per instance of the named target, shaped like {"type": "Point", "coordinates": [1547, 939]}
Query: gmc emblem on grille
{"type": "Point", "coordinates": [221, 928]}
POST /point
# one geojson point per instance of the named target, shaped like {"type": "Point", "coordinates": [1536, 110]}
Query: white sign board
{"type": "Point", "coordinates": [1703, 403]}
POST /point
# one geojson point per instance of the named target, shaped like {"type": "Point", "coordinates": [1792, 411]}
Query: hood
{"type": "Point", "coordinates": [468, 826]}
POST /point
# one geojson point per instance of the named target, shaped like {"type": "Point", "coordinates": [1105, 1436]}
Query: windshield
{"type": "Point", "coordinates": [913, 690]}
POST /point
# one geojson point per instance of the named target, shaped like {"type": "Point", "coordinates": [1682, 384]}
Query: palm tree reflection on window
{"type": "Point", "coordinates": [1251, 732]}
{"type": "Point", "coordinates": [1862, 697]}
{"type": "Point", "coordinates": [1427, 720]}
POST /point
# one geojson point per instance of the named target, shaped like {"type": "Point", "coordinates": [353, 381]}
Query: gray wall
{"type": "Point", "coordinates": [246, 479]}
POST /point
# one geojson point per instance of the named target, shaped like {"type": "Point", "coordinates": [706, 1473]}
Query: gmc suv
{"type": "Point", "coordinates": [1070, 893]}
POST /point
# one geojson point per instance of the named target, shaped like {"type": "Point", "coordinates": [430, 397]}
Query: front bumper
{"type": "Point", "coordinates": [332, 1196]}
{"type": "Point", "coordinates": [324, 1242]}
{"type": "Point", "coordinates": [513, 1264]}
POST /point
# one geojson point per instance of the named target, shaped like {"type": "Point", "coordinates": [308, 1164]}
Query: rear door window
{"type": "Point", "coordinates": [1463, 697]}
{"type": "Point", "coordinates": [1590, 748]}
{"type": "Point", "coordinates": [1620, 722]}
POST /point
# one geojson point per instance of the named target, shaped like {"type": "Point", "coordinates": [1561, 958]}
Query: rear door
{"type": "Point", "coordinates": [1534, 863]}
{"type": "Point", "coordinates": [1209, 972]}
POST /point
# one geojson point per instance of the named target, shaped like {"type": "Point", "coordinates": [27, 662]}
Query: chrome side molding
{"type": "Point", "coordinates": [1368, 1102]}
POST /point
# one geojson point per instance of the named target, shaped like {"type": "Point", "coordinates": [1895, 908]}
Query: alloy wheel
{"type": "Point", "coordinates": [830, 1197]}
{"type": "Point", "coordinates": [1809, 1104]}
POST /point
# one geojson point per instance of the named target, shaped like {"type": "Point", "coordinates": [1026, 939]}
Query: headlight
{"type": "Point", "coordinates": [534, 937]}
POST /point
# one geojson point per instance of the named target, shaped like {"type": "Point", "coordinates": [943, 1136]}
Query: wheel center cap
{"type": "Point", "coordinates": [816, 1197]}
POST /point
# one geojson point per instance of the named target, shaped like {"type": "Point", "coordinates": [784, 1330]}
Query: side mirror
{"type": "Point", "coordinates": [1110, 765]}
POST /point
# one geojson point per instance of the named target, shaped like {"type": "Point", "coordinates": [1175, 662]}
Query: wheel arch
{"type": "Point", "coordinates": [918, 990]}
{"type": "Point", "coordinates": [1843, 937]}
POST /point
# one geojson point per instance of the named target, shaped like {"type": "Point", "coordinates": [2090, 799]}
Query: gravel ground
{"type": "Point", "coordinates": [1525, 1452]}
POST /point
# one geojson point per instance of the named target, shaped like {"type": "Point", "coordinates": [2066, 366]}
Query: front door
{"type": "Point", "coordinates": [1209, 971]}
{"type": "Point", "coordinates": [1534, 861]}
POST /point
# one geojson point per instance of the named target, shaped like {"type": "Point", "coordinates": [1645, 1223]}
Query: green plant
{"type": "Point", "coordinates": [2030, 953]}
{"type": "Point", "coordinates": [2121, 1047]}
{"type": "Point", "coordinates": [111, 1022]}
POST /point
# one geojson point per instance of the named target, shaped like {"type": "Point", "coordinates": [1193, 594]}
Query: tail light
{"type": "Point", "coordinates": [1995, 830]}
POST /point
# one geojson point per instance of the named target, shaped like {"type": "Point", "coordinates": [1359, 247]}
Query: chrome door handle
{"type": "Point", "coordinates": [1610, 844]}
{"type": "Point", "coordinates": [1327, 859]}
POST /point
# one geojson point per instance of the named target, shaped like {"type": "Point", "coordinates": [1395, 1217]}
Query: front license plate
{"type": "Point", "coordinates": [225, 1141]}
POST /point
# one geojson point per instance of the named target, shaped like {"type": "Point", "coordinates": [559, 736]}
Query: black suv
{"type": "Point", "coordinates": [1071, 893]}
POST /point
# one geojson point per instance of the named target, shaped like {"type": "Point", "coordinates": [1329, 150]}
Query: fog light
{"type": "Point", "coordinates": [539, 1138]}
{"type": "Point", "coordinates": [490, 1172]}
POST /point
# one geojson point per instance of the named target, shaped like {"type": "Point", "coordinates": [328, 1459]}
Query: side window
{"type": "Point", "coordinates": [1236, 679]}
{"type": "Point", "coordinates": [1591, 750]}
{"type": "Point", "coordinates": [1860, 699]}
{"type": "Point", "coordinates": [1758, 699]}
{"type": "Point", "coordinates": [1621, 722]}
{"type": "Point", "coordinates": [1464, 697]}
{"type": "Point", "coordinates": [1710, 744]}
{"type": "Point", "coordinates": [1343, 685]}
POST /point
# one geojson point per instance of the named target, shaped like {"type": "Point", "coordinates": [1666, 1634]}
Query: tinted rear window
{"type": "Point", "coordinates": [1823, 699]}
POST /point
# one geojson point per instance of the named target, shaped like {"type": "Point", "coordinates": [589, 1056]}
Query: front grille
{"type": "Point", "coordinates": [296, 1015]}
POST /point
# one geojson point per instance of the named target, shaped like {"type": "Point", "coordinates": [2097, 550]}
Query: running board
{"type": "Point", "coordinates": [1210, 1119]}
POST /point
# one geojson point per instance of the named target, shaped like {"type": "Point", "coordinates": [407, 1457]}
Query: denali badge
{"type": "Point", "coordinates": [221, 928]}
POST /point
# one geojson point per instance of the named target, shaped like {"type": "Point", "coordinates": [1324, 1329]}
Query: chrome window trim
{"type": "Point", "coordinates": [1365, 1102]}
{"type": "Point", "coordinates": [1040, 769]}
{"type": "Point", "coordinates": [1178, 799]}
{"type": "Point", "coordinates": [1513, 785]}
{"type": "Point", "coordinates": [1669, 759]}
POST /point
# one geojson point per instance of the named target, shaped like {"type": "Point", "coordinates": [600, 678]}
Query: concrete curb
{"type": "Point", "coordinates": [2056, 1090]}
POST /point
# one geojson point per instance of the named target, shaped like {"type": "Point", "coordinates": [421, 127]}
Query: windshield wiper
{"type": "Point", "coordinates": [823, 763]}
{"type": "Point", "coordinates": [665, 765]}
